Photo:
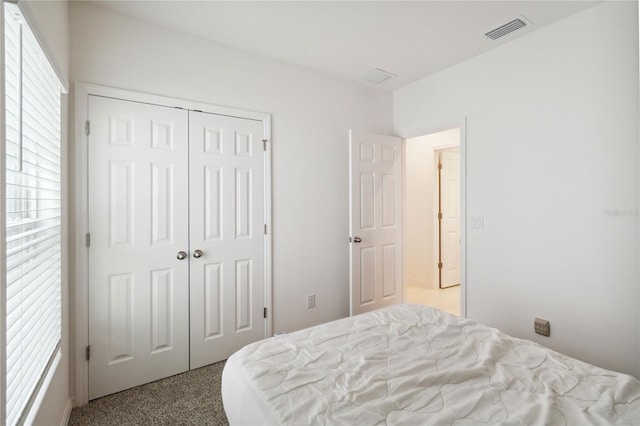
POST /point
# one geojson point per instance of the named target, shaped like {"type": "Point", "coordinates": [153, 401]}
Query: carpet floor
{"type": "Point", "coordinates": [191, 398]}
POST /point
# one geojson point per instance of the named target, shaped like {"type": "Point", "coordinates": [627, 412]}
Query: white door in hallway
{"type": "Point", "coordinates": [138, 223]}
{"type": "Point", "coordinates": [227, 234]}
{"type": "Point", "coordinates": [375, 189]}
{"type": "Point", "coordinates": [450, 224]}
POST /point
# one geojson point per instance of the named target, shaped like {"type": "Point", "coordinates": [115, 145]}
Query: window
{"type": "Point", "coordinates": [33, 215]}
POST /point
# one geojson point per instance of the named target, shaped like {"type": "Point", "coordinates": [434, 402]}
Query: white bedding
{"type": "Point", "coordinates": [410, 364]}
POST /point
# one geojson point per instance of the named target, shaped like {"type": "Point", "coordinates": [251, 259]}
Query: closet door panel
{"type": "Point", "coordinates": [226, 160]}
{"type": "Point", "coordinates": [138, 222]}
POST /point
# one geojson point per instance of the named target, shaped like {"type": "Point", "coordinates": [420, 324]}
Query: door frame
{"type": "Point", "coordinates": [429, 129]}
{"type": "Point", "coordinates": [81, 210]}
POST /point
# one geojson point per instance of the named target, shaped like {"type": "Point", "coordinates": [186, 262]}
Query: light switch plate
{"type": "Point", "coordinates": [311, 301]}
{"type": "Point", "coordinates": [476, 222]}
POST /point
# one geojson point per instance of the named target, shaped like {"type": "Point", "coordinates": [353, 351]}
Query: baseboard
{"type": "Point", "coordinates": [416, 282]}
{"type": "Point", "coordinates": [67, 412]}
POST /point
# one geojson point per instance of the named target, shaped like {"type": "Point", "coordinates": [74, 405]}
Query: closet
{"type": "Point", "coordinates": [176, 240]}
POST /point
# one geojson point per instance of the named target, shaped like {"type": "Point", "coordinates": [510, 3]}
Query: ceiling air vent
{"type": "Point", "coordinates": [377, 76]}
{"type": "Point", "coordinates": [507, 28]}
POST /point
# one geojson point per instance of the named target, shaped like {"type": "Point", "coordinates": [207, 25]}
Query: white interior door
{"type": "Point", "coordinates": [138, 289]}
{"type": "Point", "coordinates": [375, 185]}
{"type": "Point", "coordinates": [227, 226]}
{"type": "Point", "coordinates": [450, 224]}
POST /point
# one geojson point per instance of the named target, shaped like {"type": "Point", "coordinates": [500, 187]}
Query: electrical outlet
{"type": "Point", "coordinates": [542, 327]}
{"type": "Point", "coordinates": [311, 301]}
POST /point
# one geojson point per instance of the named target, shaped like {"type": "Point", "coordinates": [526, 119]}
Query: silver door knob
{"type": "Point", "coordinates": [197, 253]}
{"type": "Point", "coordinates": [357, 239]}
{"type": "Point", "coordinates": [181, 255]}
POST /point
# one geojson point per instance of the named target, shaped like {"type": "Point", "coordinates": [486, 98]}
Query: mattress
{"type": "Point", "coordinates": [411, 364]}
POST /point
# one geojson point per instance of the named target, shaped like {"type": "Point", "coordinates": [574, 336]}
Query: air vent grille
{"type": "Point", "coordinates": [505, 29]}
{"type": "Point", "coordinates": [377, 76]}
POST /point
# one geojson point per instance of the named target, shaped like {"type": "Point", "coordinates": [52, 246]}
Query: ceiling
{"type": "Point", "coordinates": [411, 39]}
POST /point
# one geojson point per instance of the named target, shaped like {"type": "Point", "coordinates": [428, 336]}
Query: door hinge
{"type": "Point", "coordinates": [88, 353]}
{"type": "Point", "coordinates": [439, 215]}
{"type": "Point", "coordinates": [87, 240]}
{"type": "Point", "coordinates": [265, 312]}
{"type": "Point", "coordinates": [87, 128]}
{"type": "Point", "coordinates": [439, 166]}
{"type": "Point", "coordinates": [350, 239]}
{"type": "Point", "coordinates": [264, 144]}
{"type": "Point", "coordinates": [439, 265]}
{"type": "Point", "coordinates": [265, 229]}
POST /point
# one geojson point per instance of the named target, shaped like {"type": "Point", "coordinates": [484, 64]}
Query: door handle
{"type": "Point", "coordinates": [181, 255]}
{"type": "Point", "coordinates": [197, 254]}
{"type": "Point", "coordinates": [357, 239]}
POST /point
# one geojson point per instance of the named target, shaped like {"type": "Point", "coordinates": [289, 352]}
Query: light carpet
{"type": "Point", "coordinates": [191, 398]}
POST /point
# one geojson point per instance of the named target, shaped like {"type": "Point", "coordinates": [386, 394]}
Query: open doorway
{"type": "Point", "coordinates": [432, 220]}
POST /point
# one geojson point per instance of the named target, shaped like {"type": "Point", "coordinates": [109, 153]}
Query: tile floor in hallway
{"type": "Point", "coordinates": [446, 299]}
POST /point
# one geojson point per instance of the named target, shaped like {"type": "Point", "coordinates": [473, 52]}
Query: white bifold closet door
{"type": "Point", "coordinates": [176, 256]}
{"type": "Point", "coordinates": [227, 225]}
{"type": "Point", "coordinates": [138, 289]}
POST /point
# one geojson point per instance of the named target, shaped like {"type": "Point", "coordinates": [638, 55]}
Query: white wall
{"type": "Point", "coordinates": [49, 20]}
{"type": "Point", "coordinates": [552, 165]}
{"type": "Point", "coordinates": [421, 207]}
{"type": "Point", "coordinates": [311, 115]}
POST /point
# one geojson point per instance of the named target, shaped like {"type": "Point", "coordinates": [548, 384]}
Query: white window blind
{"type": "Point", "coordinates": [33, 214]}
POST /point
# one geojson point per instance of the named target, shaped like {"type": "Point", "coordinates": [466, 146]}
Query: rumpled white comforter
{"type": "Point", "coordinates": [413, 365]}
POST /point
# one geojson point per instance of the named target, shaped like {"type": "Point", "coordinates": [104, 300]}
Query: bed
{"type": "Point", "coordinates": [411, 364]}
